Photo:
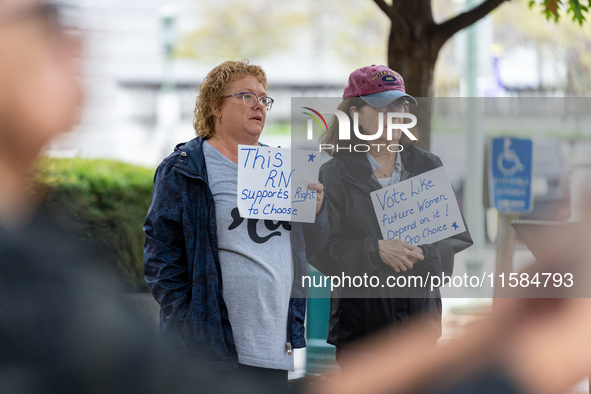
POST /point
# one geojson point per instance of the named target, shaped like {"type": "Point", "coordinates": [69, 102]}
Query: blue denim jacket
{"type": "Point", "coordinates": [181, 262]}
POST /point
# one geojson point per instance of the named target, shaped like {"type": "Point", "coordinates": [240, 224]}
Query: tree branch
{"type": "Point", "coordinates": [393, 15]}
{"type": "Point", "coordinates": [385, 8]}
{"type": "Point", "coordinates": [445, 30]}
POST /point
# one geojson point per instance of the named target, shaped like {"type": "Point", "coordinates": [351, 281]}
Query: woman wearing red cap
{"type": "Point", "coordinates": [355, 245]}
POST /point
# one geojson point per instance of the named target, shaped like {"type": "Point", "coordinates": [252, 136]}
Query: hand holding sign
{"type": "Point", "coordinates": [319, 189]}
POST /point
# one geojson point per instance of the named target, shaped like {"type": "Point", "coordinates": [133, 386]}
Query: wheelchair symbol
{"type": "Point", "coordinates": [508, 162]}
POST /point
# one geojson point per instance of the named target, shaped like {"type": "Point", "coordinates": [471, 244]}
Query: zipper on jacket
{"type": "Point", "coordinates": [288, 344]}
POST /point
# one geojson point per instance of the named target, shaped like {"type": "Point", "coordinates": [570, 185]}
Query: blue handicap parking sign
{"type": "Point", "coordinates": [511, 175]}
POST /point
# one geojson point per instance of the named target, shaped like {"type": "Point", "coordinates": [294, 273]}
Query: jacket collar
{"type": "Point", "coordinates": [191, 160]}
{"type": "Point", "coordinates": [357, 165]}
{"type": "Point", "coordinates": [415, 161]}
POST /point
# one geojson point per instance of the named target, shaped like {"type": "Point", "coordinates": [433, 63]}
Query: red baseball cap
{"type": "Point", "coordinates": [377, 85]}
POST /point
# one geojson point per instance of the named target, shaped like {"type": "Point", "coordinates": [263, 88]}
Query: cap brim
{"type": "Point", "coordinates": [384, 98]}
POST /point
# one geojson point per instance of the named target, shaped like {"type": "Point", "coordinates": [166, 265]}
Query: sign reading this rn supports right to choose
{"type": "Point", "coordinates": [273, 183]}
{"type": "Point", "coordinates": [420, 210]}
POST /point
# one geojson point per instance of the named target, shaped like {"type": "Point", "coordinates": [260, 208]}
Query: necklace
{"type": "Point", "coordinates": [386, 173]}
{"type": "Point", "coordinates": [383, 160]}
{"type": "Point", "coordinates": [233, 157]}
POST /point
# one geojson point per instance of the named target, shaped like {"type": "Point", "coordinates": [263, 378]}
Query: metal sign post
{"type": "Point", "coordinates": [509, 185]}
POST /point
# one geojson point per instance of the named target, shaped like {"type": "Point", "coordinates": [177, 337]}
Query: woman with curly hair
{"type": "Point", "coordinates": [224, 283]}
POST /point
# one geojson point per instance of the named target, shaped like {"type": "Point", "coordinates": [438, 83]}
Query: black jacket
{"type": "Point", "coordinates": [67, 327]}
{"type": "Point", "coordinates": [352, 249]}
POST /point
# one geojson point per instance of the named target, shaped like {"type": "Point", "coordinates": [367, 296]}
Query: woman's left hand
{"type": "Point", "coordinates": [319, 189]}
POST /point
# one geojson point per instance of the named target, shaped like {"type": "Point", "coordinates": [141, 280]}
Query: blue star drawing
{"type": "Point", "coordinates": [455, 226]}
{"type": "Point", "coordinates": [311, 158]}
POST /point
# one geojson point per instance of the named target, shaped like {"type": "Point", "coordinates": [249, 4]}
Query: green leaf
{"type": "Point", "coordinates": [578, 10]}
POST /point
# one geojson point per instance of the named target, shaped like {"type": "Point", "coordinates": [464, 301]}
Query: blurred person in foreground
{"type": "Point", "coordinates": [64, 325]}
{"type": "Point", "coordinates": [355, 245]}
{"type": "Point", "coordinates": [64, 328]}
{"type": "Point", "coordinates": [525, 345]}
{"type": "Point", "coordinates": [535, 342]}
{"type": "Point", "coordinates": [226, 284]}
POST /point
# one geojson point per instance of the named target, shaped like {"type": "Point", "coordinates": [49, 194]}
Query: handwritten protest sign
{"type": "Point", "coordinates": [273, 183]}
{"type": "Point", "coordinates": [419, 210]}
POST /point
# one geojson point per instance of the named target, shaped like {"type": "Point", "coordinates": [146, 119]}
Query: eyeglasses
{"type": "Point", "coordinates": [395, 106]}
{"type": "Point", "coordinates": [251, 99]}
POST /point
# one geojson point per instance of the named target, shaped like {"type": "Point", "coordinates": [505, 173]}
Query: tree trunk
{"type": "Point", "coordinates": [414, 44]}
{"type": "Point", "coordinates": [414, 59]}
{"type": "Point", "coordinates": [412, 52]}
{"type": "Point", "coordinates": [416, 66]}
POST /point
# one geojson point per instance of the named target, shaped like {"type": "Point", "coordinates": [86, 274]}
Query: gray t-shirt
{"type": "Point", "coordinates": [256, 263]}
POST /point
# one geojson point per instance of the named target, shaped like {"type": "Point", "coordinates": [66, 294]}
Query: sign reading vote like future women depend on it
{"type": "Point", "coordinates": [419, 210]}
{"type": "Point", "coordinates": [273, 183]}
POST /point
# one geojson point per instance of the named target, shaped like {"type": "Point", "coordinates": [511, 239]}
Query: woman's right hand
{"type": "Point", "coordinates": [398, 254]}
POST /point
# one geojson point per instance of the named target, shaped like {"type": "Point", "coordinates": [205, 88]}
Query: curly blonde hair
{"type": "Point", "coordinates": [211, 91]}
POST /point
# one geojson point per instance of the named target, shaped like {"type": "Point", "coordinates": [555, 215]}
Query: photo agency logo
{"type": "Point", "coordinates": [361, 141]}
